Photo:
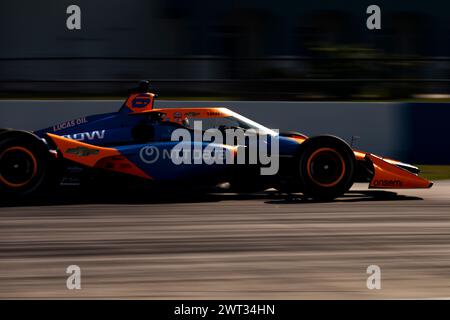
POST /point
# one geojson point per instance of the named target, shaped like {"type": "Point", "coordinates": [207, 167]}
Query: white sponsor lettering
{"type": "Point", "coordinates": [149, 154]}
{"type": "Point", "coordinates": [69, 124]}
{"type": "Point", "coordinates": [208, 148]}
{"type": "Point", "coordinates": [82, 136]}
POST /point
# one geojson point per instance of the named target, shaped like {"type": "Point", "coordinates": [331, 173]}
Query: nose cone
{"type": "Point", "coordinates": [390, 176]}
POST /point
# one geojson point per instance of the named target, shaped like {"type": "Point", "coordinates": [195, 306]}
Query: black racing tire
{"type": "Point", "coordinates": [326, 167]}
{"type": "Point", "coordinates": [23, 164]}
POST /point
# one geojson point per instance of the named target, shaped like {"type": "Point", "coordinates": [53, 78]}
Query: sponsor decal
{"type": "Point", "coordinates": [192, 114]}
{"type": "Point", "coordinates": [82, 136]}
{"type": "Point", "coordinates": [213, 114]}
{"type": "Point", "coordinates": [149, 154]}
{"type": "Point", "coordinates": [82, 151]}
{"type": "Point", "coordinates": [388, 183]}
{"type": "Point", "coordinates": [141, 101]}
{"type": "Point", "coordinates": [69, 124]}
{"type": "Point", "coordinates": [213, 147]}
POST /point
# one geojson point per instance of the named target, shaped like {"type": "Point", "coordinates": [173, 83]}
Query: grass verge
{"type": "Point", "coordinates": [435, 172]}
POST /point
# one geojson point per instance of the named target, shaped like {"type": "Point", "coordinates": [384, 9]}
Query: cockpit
{"type": "Point", "coordinates": [159, 124]}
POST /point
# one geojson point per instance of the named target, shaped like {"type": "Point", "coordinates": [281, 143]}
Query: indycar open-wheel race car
{"type": "Point", "coordinates": [131, 145]}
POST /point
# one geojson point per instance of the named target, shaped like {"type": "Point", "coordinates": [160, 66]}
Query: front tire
{"type": "Point", "coordinates": [326, 167]}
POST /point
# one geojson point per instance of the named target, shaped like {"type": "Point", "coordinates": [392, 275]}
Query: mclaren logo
{"type": "Point", "coordinates": [388, 183]}
{"type": "Point", "coordinates": [82, 151]}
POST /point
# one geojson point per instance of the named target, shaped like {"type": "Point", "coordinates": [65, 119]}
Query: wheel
{"type": "Point", "coordinates": [23, 165]}
{"type": "Point", "coordinates": [326, 167]}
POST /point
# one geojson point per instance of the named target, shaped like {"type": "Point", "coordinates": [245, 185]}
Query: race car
{"type": "Point", "coordinates": [135, 146]}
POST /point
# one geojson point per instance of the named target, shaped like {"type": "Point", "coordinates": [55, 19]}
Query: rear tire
{"type": "Point", "coordinates": [23, 165]}
{"type": "Point", "coordinates": [326, 167]}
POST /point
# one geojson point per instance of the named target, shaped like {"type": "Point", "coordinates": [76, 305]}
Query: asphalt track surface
{"type": "Point", "coordinates": [228, 246]}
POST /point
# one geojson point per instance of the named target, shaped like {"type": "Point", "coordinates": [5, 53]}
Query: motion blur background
{"type": "Point", "coordinates": [379, 85]}
{"type": "Point", "coordinates": [241, 50]}
{"type": "Point", "coordinates": [246, 49]}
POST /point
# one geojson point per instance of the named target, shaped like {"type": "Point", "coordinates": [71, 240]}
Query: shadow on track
{"type": "Point", "coordinates": [351, 196]}
{"type": "Point", "coordinates": [193, 196]}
